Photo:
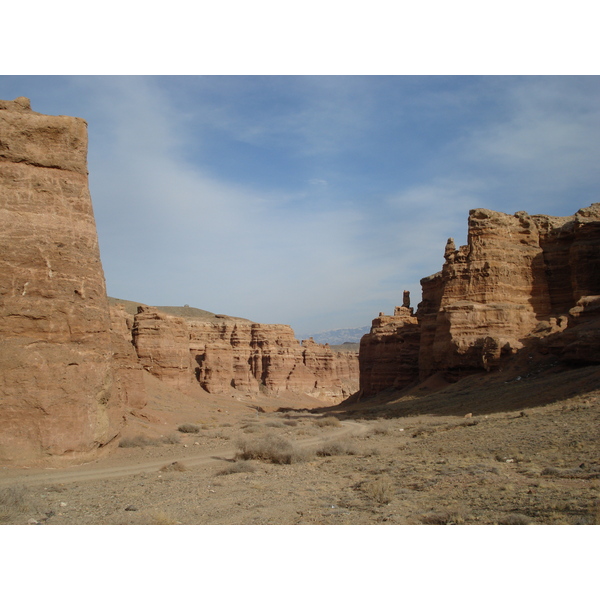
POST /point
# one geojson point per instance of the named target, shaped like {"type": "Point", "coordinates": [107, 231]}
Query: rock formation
{"type": "Point", "coordinates": [56, 381]}
{"type": "Point", "coordinates": [70, 368]}
{"type": "Point", "coordinates": [128, 369]}
{"type": "Point", "coordinates": [162, 345]}
{"type": "Point", "coordinates": [519, 278]}
{"type": "Point", "coordinates": [227, 354]}
{"type": "Point", "coordinates": [389, 354]}
{"type": "Point", "coordinates": [252, 356]}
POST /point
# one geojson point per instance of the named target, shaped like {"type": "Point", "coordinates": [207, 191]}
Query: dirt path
{"type": "Point", "coordinates": [100, 470]}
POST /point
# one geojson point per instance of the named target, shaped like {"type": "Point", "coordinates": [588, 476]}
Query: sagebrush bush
{"type": "Point", "coordinates": [380, 429]}
{"type": "Point", "coordinates": [188, 428]}
{"type": "Point", "coordinates": [337, 448]}
{"type": "Point", "coordinates": [515, 519]}
{"type": "Point", "coordinates": [443, 518]}
{"type": "Point", "coordinates": [271, 448]}
{"type": "Point", "coordinates": [328, 422]}
{"type": "Point", "coordinates": [171, 438]}
{"type": "Point", "coordinates": [138, 441]}
{"type": "Point", "coordinates": [237, 467]}
{"type": "Point", "coordinates": [380, 489]}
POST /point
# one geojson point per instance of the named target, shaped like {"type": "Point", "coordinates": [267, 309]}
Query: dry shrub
{"type": "Point", "coordinates": [515, 519]}
{"type": "Point", "coordinates": [138, 441]}
{"type": "Point", "coordinates": [337, 448]}
{"type": "Point", "coordinates": [174, 466]}
{"type": "Point", "coordinates": [237, 467]}
{"type": "Point", "coordinates": [328, 422]}
{"type": "Point", "coordinates": [13, 502]}
{"type": "Point", "coordinates": [188, 428]}
{"type": "Point", "coordinates": [252, 428]}
{"type": "Point", "coordinates": [596, 512]}
{"type": "Point", "coordinates": [274, 424]}
{"type": "Point", "coordinates": [374, 451]}
{"type": "Point", "coordinates": [423, 432]}
{"type": "Point", "coordinates": [171, 438]}
{"type": "Point", "coordinates": [380, 489]}
{"type": "Point", "coordinates": [380, 429]}
{"type": "Point", "coordinates": [271, 448]}
{"type": "Point", "coordinates": [291, 422]}
{"type": "Point", "coordinates": [450, 517]}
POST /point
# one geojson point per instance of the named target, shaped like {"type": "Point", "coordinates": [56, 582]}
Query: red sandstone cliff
{"type": "Point", "coordinates": [224, 354]}
{"type": "Point", "coordinates": [57, 395]}
{"type": "Point", "coordinates": [389, 353]}
{"type": "Point", "coordinates": [518, 280]}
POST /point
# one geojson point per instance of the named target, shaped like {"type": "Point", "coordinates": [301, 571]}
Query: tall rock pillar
{"type": "Point", "coordinates": [57, 401]}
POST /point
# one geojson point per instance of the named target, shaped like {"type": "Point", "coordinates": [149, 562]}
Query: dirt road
{"type": "Point", "coordinates": [107, 469]}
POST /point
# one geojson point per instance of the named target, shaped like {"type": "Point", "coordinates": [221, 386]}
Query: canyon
{"type": "Point", "coordinates": [78, 368]}
{"type": "Point", "coordinates": [72, 368]}
{"type": "Point", "coordinates": [523, 284]}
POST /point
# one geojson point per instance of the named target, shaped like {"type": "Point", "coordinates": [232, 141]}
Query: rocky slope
{"type": "Point", "coordinates": [58, 397]}
{"type": "Point", "coordinates": [520, 281]}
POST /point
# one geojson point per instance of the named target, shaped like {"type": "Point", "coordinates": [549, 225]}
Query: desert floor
{"type": "Point", "coordinates": [361, 464]}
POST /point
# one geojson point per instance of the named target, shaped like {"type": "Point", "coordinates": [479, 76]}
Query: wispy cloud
{"type": "Point", "coordinates": [315, 201]}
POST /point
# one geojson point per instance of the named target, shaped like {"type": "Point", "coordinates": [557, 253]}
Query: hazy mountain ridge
{"type": "Point", "coordinates": [338, 336]}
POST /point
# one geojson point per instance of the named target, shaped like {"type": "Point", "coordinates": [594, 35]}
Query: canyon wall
{"type": "Point", "coordinates": [226, 354]}
{"type": "Point", "coordinates": [71, 368]}
{"type": "Point", "coordinates": [519, 278]}
{"type": "Point", "coordinates": [389, 353]}
{"type": "Point", "coordinates": [57, 394]}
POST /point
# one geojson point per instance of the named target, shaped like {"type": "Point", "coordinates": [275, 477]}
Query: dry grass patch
{"type": "Point", "coordinates": [450, 517]}
{"type": "Point", "coordinates": [13, 502]}
{"type": "Point", "coordinates": [327, 422]}
{"type": "Point", "coordinates": [271, 448]}
{"type": "Point", "coordinates": [380, 489]}
{"type": "Point", "coordinates": [381, 429]}
{"type": "Point", "coordinates": [188, 428]}
{"type": "Point", "coordinates": [237, 467]}
{"type": "Point", "coordinates": [337, 448]}
{"type": "Point", "coordinates": [515, 519]}
{"type": "Point", "coordinates": [138, 441]}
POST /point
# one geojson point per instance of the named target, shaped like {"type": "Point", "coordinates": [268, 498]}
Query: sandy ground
{"type": "Point", "coordinates": [540, 465]}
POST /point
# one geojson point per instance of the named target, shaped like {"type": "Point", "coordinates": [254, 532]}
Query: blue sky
{"type": "Point", "coordinates": [314, 200]}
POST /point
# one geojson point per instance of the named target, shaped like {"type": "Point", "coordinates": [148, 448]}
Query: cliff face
{"type": "Point", "coordinates": [519, 277]}
{"type": "Point", "coordinates": [389, 354]}
{"type": "Point", "coordinates": [162, 345]}
{"type": "Point", "coordinates": [56, 381]}
{"type": "Point", "coordinates": [226, 354]}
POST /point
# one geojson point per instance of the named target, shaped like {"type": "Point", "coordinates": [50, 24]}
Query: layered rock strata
{"type": "Point", "coordinates": [128, 369]}
{"type": "Point", "coordinates": [518, 278]}
{"type": "Point", "coordinates": [226, 354]}
{"type": "Point", "coordinates": [57, 397]}
{"type": "Point", "coordinates": [162, 345]}
{"type": "Point", "coordinates": [389, 354]}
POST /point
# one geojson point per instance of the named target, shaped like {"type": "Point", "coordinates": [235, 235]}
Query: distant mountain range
{"type": "Point", "coordinates": [338, 336]}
